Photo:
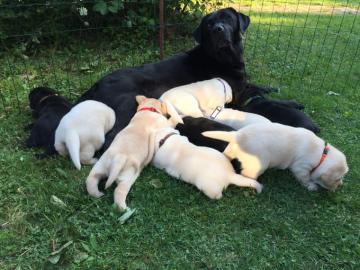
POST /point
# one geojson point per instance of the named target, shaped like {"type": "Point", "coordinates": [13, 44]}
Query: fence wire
{"type": "Point", "coordinates": [314, 44]}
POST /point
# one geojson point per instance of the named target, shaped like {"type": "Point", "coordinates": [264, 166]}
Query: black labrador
{"type": "Point", "coordinates": [47, 108]}
{"type": "Point", "coordinates": [219, 54]}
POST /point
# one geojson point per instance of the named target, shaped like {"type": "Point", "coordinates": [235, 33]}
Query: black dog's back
{"type": "Point", "coordinates": [48, 108]}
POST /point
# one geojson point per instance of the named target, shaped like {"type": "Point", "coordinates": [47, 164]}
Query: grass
{"type": "Point", "coordinates": [176, 226]}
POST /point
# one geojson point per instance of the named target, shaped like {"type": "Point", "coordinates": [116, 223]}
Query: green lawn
{"type": "Point", "coordinates": [175, 226]}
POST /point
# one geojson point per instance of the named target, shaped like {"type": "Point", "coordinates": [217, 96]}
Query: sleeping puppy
{"type": "Point", "coordinates": [81, 131]}
{"type": "Point", "coordinates": [236, 119]}
{"type": "Point", "coordinates": [47, 108]}
{"type": "Point", "coordinates": [196, 98]}
{"type": "Point", "coordinates": [193, 127]}
{"type": "Point", "coordinates": [207, 169]}
{"type": "Point", "coordinates": [131, 149]}
{"type": "Point", "coordinates": [262, 146]}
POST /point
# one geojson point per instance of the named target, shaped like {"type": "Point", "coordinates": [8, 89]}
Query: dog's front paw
{"type": "Point", "coordinates": [259, 188]}
{"type": "Point", "coordinates": [96, 194]}
{"type": "Point", "coordinates": [312, 187]}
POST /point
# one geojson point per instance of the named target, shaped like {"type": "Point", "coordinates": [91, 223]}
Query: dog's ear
{"type": "Point", "coordinates": [168, 108]}
{"type": "Point", "coordinates": [140, 99]}
{"type": "Point", "coordinates": [197, 34]}
{"type": "Point", "coordinates": [243, 20]}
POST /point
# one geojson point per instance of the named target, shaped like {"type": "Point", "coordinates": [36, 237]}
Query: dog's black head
{"type": "Point", "coordinates": [38, 95]}
{"type": "Point", "coordinates": [220, 34]}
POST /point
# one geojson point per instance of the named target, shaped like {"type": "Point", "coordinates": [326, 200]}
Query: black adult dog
{"type": "Point", "coordinates": [219, 54]}
{"type": "Point", "coordinates": [47, 108]}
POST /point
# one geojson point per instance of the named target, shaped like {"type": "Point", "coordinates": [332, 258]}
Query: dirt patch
{"type": "Point", "coordinates": [301, 8]}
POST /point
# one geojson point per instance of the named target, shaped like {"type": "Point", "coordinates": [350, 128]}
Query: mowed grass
{"type": "Point", "coordinates": [175, 226]}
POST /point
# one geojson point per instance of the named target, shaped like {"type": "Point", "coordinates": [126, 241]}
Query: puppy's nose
{"type": "Point", "coordinates": [218, 28]}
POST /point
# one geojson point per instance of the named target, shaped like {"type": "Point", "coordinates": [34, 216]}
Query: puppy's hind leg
{"type": "Point", "coordinates": [87, 155]}
{"type": "Point", "coordinates": [242, 181]}
{"type": "Point", "coordinates": [126, 180]}
{"type": "Point", "coordinates": [92, 181]}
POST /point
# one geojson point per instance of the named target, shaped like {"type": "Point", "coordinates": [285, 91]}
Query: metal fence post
{"type": "Point", "coordinates": [161, 28]}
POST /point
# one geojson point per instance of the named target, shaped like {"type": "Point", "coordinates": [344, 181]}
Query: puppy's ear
{"type": "Point", "coordinates": [197, 34]}
{"type": "Point", "coordinates": [140, 99]}
{"type": "Point", "coordinates": [170, 110]}
{"type": "Point", "coordinates": [244, 22]}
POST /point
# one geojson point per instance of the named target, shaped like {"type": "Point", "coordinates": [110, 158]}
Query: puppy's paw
{"type": "Point", "coordinates": [312, 187]}
{"type": "Point", "coordinates": [121, 205]}
{"type": "Point", "coordinates": [259, 187]}
{"type": "Point", "coordinates": [96, 194]}
{"type": "Point", "coordinates": [90, 161]}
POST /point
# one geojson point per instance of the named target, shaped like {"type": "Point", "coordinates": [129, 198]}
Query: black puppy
{"type": "Point", "coordinates": [286, 112]}
{"type": "Point", "coordinates": [219, 54]}
{"type": "Point", "coordinates": [192, 129]}
{"type": "Point", "coordinates": [47, 108]}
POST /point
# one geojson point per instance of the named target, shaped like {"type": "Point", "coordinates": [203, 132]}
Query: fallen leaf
{"type": "Point", "coordinates": [54, 259]}
{"type": "Point", "coordinates": [61, 248]}
{"type": "Point", "coordinates": [61, 172]}
{"type": "Point", "coordinates": [129, 212]}
{"type": "Point", "coordinates": [331, 93]}
{"type": "Point", "coordinates": [58, 202]}
{"type": "Point", "coordinates": [81, 256]}
{"type": "Point", "coordinates": [156, 183]}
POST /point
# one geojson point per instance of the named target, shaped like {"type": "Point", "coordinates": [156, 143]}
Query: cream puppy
{"type": "Point", "coordinates": [206, 168]}
{"type": "Point", "coordinates": [131, 149]}
{"type": "Point", "coordinates": [81, 132]}
{"type": "Point", "coordinates": [262, 146]}
{"type": "Point", "coordinates": [196, 98]}
{"type": "Point", "coordinates": [236, 119]}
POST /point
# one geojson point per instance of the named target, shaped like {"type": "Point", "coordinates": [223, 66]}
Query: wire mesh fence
{"type": "Point", "coordinates": [290, 43]}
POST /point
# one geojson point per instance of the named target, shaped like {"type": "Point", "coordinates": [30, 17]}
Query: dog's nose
{"type": "Point", "coordinates": [218, 28]}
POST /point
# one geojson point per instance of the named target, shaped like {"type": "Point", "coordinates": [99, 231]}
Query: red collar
{"type": "Point", "coordinates": [151, 109]}
{"type": "Point", "coordinates": [323, 156]}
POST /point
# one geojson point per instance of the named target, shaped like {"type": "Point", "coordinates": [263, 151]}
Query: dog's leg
{"type": "Point", "coordinates": [29, 126]}
{"type": "Point", "coordinates": [93, 180]}
{"type": "Point", "coordinates": [304, 178]}
{"type": "Point", "coordinates": [291, 104]}
{"type": "Point", "coordinates": [125, 181]}
{"type": "Point", "coordinates": [50, 151]}
{"type": "Point", "coordinates": [87, 155]}
{"type": "Point", "coordinates": [121, 192]}
{"type": "Point", "coordinates": [242, 181]}
{"type": "Point", "coordinates": [33, 140]}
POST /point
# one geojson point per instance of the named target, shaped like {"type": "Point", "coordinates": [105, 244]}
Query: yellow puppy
{"type": "Point", "coordinates": [131, 149]}
{"type": "Point", "coordinates": [195, 99]}
{"type": "Point", "coordinates": [262, 146]}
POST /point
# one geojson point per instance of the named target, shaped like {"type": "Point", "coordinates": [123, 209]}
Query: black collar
{"type": "Point", "coordinates": [46, 97]}
{"type": "Point", "coordinates": [163, 140]}
{"type": "Point", "coordinates": [222, 82]}
{"type": "Point", "coordinates": [251, 99]}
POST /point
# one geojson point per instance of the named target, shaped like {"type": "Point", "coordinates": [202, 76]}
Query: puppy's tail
{"type": "Point", "coordinates": [115, 168]}
{"type": "Point", "coordinates": [72, 142]}
{"type": "Point", "coordinates": [242, 181]}
{"type": "Point", "coordinates": [221, 135]}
